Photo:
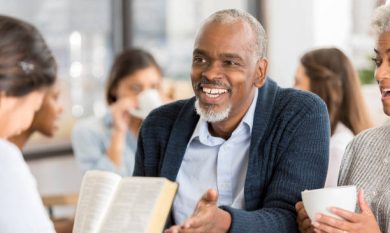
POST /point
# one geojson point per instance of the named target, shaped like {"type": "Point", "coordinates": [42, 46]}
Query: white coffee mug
{"type": "Point", "coordinates": [320, 200]}
{"type": "Point", "coordinates": [147, 101]}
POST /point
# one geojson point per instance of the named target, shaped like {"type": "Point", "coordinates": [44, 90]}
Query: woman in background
{"type": "Point", "coordinates": [366, 162]}
{"type": "Point", "coordinates": [27, 68]}
{"type": "Point", "coordinates": [45, 119]}
{"type": "Point", "coordinates": [109, 143]}
{"type": "Point", "coordinates": [328, 73]}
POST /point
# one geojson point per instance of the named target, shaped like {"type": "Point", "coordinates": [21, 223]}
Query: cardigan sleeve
{"type": "Point", "coordinates": [139, 169]}
{"type": "Point", "coordinates": [301, 164]}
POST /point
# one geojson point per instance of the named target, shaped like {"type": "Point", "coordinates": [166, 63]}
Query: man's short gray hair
{"type": "Point", "coordinates": [231, 16]}
{"type": "Point", "coordinates": [381, 20]}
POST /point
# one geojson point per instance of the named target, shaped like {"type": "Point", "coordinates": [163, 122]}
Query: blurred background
{"type": "Point", "coordinates": [85, 35]}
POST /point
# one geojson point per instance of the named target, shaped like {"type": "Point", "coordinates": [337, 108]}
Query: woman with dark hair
{"type": "Point", "coordinates": [27, 69]}
{"type": "Point", "coordinates": [366, 162]}
{"type": "Point", "coordinates": [45, 119]}
{"type": "Point", "coordinates": [328, 73]}
{"type": "Point", "coordinates": [109, 143]}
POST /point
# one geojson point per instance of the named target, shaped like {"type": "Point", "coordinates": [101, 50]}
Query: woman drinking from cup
{"type": "Point", "coordinates": [132, 91]}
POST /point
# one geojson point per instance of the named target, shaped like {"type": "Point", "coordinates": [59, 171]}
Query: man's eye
{"type": "Point", "coordinates": [377, 61]}
{"type": "Point", "coordinates": [199, 60]}
{"type": "Point", "coordinates": [230, 63]}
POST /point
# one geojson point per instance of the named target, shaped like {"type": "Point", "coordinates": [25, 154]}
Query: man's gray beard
{"type": "Point", "coordinates": [209, 115]}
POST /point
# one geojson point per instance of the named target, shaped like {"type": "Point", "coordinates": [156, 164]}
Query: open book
{"type": "Point", "coordinates": [109, 203]}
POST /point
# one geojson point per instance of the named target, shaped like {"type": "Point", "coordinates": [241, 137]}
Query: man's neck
{"type": "Point", "coordinates": [225, 128]}
{"type": "Point", "coordinates": [221, 129]}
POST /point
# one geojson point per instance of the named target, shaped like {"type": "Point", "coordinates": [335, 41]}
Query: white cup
{"type": "Point", "coordinates": [147, 101]}
{"type": "Point", "coordinates": [320, 200]}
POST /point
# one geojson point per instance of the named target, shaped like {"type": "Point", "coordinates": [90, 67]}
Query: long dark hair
{"type": "Point", "coordinates": [26, 62]}
{"type": "Point", "coordinates": [333, 78]}
{"type": "Point", "coordinates": [126, 63]}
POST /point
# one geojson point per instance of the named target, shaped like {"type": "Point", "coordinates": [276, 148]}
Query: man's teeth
{"type": "Point", "coordinates": [214, 91]}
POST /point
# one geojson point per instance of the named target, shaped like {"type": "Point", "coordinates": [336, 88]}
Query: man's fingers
{"type": "Point", "coordinates": [173, 229]}
{"type": "Point", "coordinates": [192, 222]}
{"type": "Point", "coordinates": [210, 196]}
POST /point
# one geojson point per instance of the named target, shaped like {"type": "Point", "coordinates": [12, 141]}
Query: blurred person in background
{"type": "Point", "coordinates": [45, 120]}
{"type": "Point", "coordinates": [109, 143]}
{"type": "Point", "coordinates": [329, 73]}
{"type": "Point", "coordinates": [27, 69]}
{"type": "Point", "coordinates": [366, 162]}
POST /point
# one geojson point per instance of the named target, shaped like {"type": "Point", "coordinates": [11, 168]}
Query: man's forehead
{"type": "Point", "coordinates": [234, 31]}
{"type": "Point", "coordinates": [224, 26]}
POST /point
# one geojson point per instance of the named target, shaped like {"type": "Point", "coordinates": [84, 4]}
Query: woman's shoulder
{"type": "Point", "coordinates": [11, 158]}
{"type": "Point", "coordinates": [366, 158]}
{"type": "Point", "coordinates": [369, 147]}
{"type": "Point", "coordinates": [9, 151]}
{"type": "Point", "coordinates": [7, 146]}
{"type": "Point", "coordinates": [372, 137]}
{"type": "Point", "coordinates": [90, 121]}
{"type": "Point", "coordinates": [93, 124]}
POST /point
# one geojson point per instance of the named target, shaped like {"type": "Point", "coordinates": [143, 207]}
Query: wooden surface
{"type": "Point", "coordinates": [63, 199]}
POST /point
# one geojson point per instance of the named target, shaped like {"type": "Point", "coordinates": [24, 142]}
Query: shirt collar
{"type": "Point", "coordinates": [250, 114]}
{"type": "Point", "coordinates": [201, 131]}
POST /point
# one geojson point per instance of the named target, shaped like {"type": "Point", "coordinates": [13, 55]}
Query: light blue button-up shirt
{"type": "Point", "coordinates": [213, 162]}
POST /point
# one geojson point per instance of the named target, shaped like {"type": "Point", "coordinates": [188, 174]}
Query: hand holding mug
{"type": "Point", "coordinates": [350, 222]}
{"type": "Point", "coordinates": [146, 101]}
{"type": "Point", "coordinates": [120, 113]}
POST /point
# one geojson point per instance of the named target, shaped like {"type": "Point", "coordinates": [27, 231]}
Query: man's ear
{"type": "Point", "coordinates": [261, 72]}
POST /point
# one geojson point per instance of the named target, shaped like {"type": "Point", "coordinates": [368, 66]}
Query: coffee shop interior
{"type": "Point", "coordinates": [86, 35]}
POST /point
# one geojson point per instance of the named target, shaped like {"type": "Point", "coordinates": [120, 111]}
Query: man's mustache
{"type": "Point", "coordinates": [214, 83]}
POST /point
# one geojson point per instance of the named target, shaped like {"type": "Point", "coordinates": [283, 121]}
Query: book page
{"type": "Point", "coordinates": [163, 206]}
{"type": "Point", "coordinates": [97, 190]}
{"type": "Point", "coordinates": [133, 204]}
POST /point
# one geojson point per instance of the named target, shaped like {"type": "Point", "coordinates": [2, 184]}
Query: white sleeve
{"type": "Point", "coordinates": [337, 149]}
{"type": "Point", "coordinates": [22, 209]}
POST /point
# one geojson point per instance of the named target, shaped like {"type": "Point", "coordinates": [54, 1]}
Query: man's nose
{"type": "Point", "coordinates": [213, 71]}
